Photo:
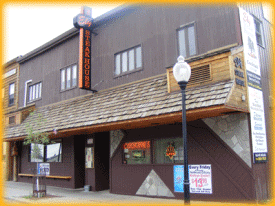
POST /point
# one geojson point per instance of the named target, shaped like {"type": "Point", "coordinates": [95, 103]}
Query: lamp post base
{"type": "Point", "coordinates": [186, 194]}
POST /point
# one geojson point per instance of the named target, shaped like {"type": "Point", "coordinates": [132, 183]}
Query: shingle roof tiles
{"type": "Point", "coordinates": [137, 100]}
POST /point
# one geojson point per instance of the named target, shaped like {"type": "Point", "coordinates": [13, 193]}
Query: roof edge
{"type": "Point", "coordinates": [58, 40]}
{"type": "Point", "coordinates": [114, 13]}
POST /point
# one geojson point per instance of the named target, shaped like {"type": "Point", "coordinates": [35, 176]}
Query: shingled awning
{"type": "Point", "coordinates": [139, 104]}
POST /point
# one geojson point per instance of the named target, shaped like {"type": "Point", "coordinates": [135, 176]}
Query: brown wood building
{"type": "Point", "coordinates": [116, 138]}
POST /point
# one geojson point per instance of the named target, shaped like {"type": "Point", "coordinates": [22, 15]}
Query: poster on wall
{"type": "Point", "coordinates": [178, 178]}
{"type": "Point", "coordinates": [258, 130]}
{"type": "Point", "coordinates": [200, 179]}
{"type": "Point", "coordinates": [89, 157]}
{"type": "Point", "coordinates": [43, 168]}
{"type": "Point", "coordinates": [255, 94]}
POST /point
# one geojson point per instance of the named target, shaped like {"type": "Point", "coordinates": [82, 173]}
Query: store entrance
{"type": "Point", "coordinates": [97, 153]}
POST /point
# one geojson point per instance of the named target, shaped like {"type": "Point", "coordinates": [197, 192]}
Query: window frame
{"type": "Point", "coordinates": [131, 56]}
{"type": "Point", "coordinates": [174, 140]}
{"type": "Point", "coordinates": [153, 153]}
{"type": "Point", "coordinates": [135, 141]}
{"type": "Point", "coordinates": [185, 30]}
{"type": "Point", "coordinates": [260, 33]}
{"type": "Point", "coordinates": [70, 76]}
{"type": "Point", "coordinates": [35, 93]}
{"type": "Point", "coordinates": [11, 100]}
{"type": "Point", "coordinates": [45, 149]}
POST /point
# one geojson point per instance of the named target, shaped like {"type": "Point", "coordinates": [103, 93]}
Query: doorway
{"type": "Point", "coordinates": [97, 158]}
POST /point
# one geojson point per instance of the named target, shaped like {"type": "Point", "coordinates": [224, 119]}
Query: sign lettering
{"type": "Point", "coordinates": [83, 22]}
{"type": "Point", "coordinates": [200, 178]}
{"type": "Point", "coordinates": [255, 94]}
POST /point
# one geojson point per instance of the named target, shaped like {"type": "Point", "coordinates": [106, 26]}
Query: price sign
{"type": "Point", "coordinates": [200, 179]}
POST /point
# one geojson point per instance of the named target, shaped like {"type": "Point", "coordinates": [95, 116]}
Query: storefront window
{"type": "Point", "coordinates": [46, 153]}
{"type": "Point", "coordinates": [168, 151]}
{"type": "Point", "coordinates": [137, 152]}
{"type": "Point", "coordinates": [54, 152]}
{"type": "Point", "coordinates": [37, 152]}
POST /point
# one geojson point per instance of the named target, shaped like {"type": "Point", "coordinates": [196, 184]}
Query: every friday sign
{"type": "Point", "coordinates": [200, 179]}
{"type": "Point", "coordinates": [83, 22]}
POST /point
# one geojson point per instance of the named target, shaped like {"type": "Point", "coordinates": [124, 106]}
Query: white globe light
{"type": "Point", "coordinates": [182, 70]}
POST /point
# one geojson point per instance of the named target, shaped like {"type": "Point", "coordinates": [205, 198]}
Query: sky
{"type": "Point", "coordinates": [28, 26]}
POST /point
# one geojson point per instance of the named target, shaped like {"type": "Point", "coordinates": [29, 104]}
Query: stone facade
{"type": "Point", "coordinates": [233, 130]}
{"type": "Point", "coordinates": [115, 138]}
{"type": "Point", "coordinates": [154, 186]}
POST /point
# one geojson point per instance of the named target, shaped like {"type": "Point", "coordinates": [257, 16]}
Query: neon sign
{"type": "Point", "coordinates": [137, 145]}
{"type": "Point", "coordinates": [83, 22]}
{"type": "Point", "coordinates": [170, 151]}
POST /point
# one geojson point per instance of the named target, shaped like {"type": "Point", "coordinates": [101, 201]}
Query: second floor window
{"type": "Point", "coordinates": [187, 41]}
{"type": "Point", "coordinates": [128, 61]}
{"type": "Point", "coordinates": [35, 91]}
{"type": "Point", "coordinates": [68, 77]}
{"type": "Point", "coordinates": [11, 94]}
{"type": "Point", "coordinates": [259, 32]}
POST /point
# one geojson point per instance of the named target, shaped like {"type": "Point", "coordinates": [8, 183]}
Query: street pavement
{"type": "Point", "coordinates": [18, 192]}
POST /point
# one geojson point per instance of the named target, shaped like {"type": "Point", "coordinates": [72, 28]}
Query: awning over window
{"type": "Point", "coordinates": [139, 104]}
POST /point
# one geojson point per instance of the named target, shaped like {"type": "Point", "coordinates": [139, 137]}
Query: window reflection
{"type": "Point", "coordinates": [54, 152]}
{"type": "Point", "coordinates": [37, 152]}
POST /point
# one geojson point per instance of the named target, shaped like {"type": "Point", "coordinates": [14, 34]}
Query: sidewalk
{"type": "Point", "coordinates": [18, 192]}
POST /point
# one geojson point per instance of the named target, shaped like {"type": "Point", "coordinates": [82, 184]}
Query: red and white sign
{"type": "Point", "coordinates": [200, 178]}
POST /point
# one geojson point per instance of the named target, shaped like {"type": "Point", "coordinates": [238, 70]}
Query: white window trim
{"type": "Point", "coordinates": [261, 32]}
{"type": "Point", "coordinates": [35, 92]}
{"type": "Point", "coordinates": [185, 28]}
{"type": "Point", "coordinates": [12, 89]}
{"type": "Point", "coordinates": [73, 75]}
{"type": "Point", "coordinates": [120, 68]}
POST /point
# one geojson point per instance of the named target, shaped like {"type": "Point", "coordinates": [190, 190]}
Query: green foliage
{"type": "Point", "coordinates": [35, 136]}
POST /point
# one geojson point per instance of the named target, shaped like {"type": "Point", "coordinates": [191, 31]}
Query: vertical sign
{"type": "Point", "coordinates": [83, 22]}
{"type": "Point", "coordinates": [200, 179]}
{"type": "Point", "coordinates": [255, 94]}
{"type": "Point", "coordinates": [178, 178]}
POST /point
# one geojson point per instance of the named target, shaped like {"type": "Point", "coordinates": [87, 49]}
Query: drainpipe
{"type": "Point", "coordinates": [26, 88]}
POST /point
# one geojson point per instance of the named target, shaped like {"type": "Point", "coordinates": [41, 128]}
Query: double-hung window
{"type": "Point", "coordinates": [11, 94]}
{"type": "Point", "coordinates": [128, 61]}
{"type": "Point", "coordinates": [68, 77]}
{"type": "Point", "coordinates": [187, 41]}
{"type": "Point", "coordinates": [35, 91]}
{"type": "Point", "coordinates": [259, 32]}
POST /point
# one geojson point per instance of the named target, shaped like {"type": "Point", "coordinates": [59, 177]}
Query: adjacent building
{"type": "Point", "coordinates": [125, 133]}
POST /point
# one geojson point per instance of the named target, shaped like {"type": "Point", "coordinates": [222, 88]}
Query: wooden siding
{"type": "Point", "coordinates": [239, 96]}
{"type": "Point", "coordinates": [232, 179]}
{"type": "Point", "coordinates": [72, 165]}
{"type": "Point", "coordinates": [152, 27]}
{"type": "Point", "coordinates": [219, 71]}
{"type": "Point", "coordinates": [46, 68]}
{"type": "Point", "coordinates": [222, 68]}
{"type": "Point", "coordinates": [6, 82]}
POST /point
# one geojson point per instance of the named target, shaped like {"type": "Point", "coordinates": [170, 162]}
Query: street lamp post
{"type": "Point", "coordinates": [182, 73]}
